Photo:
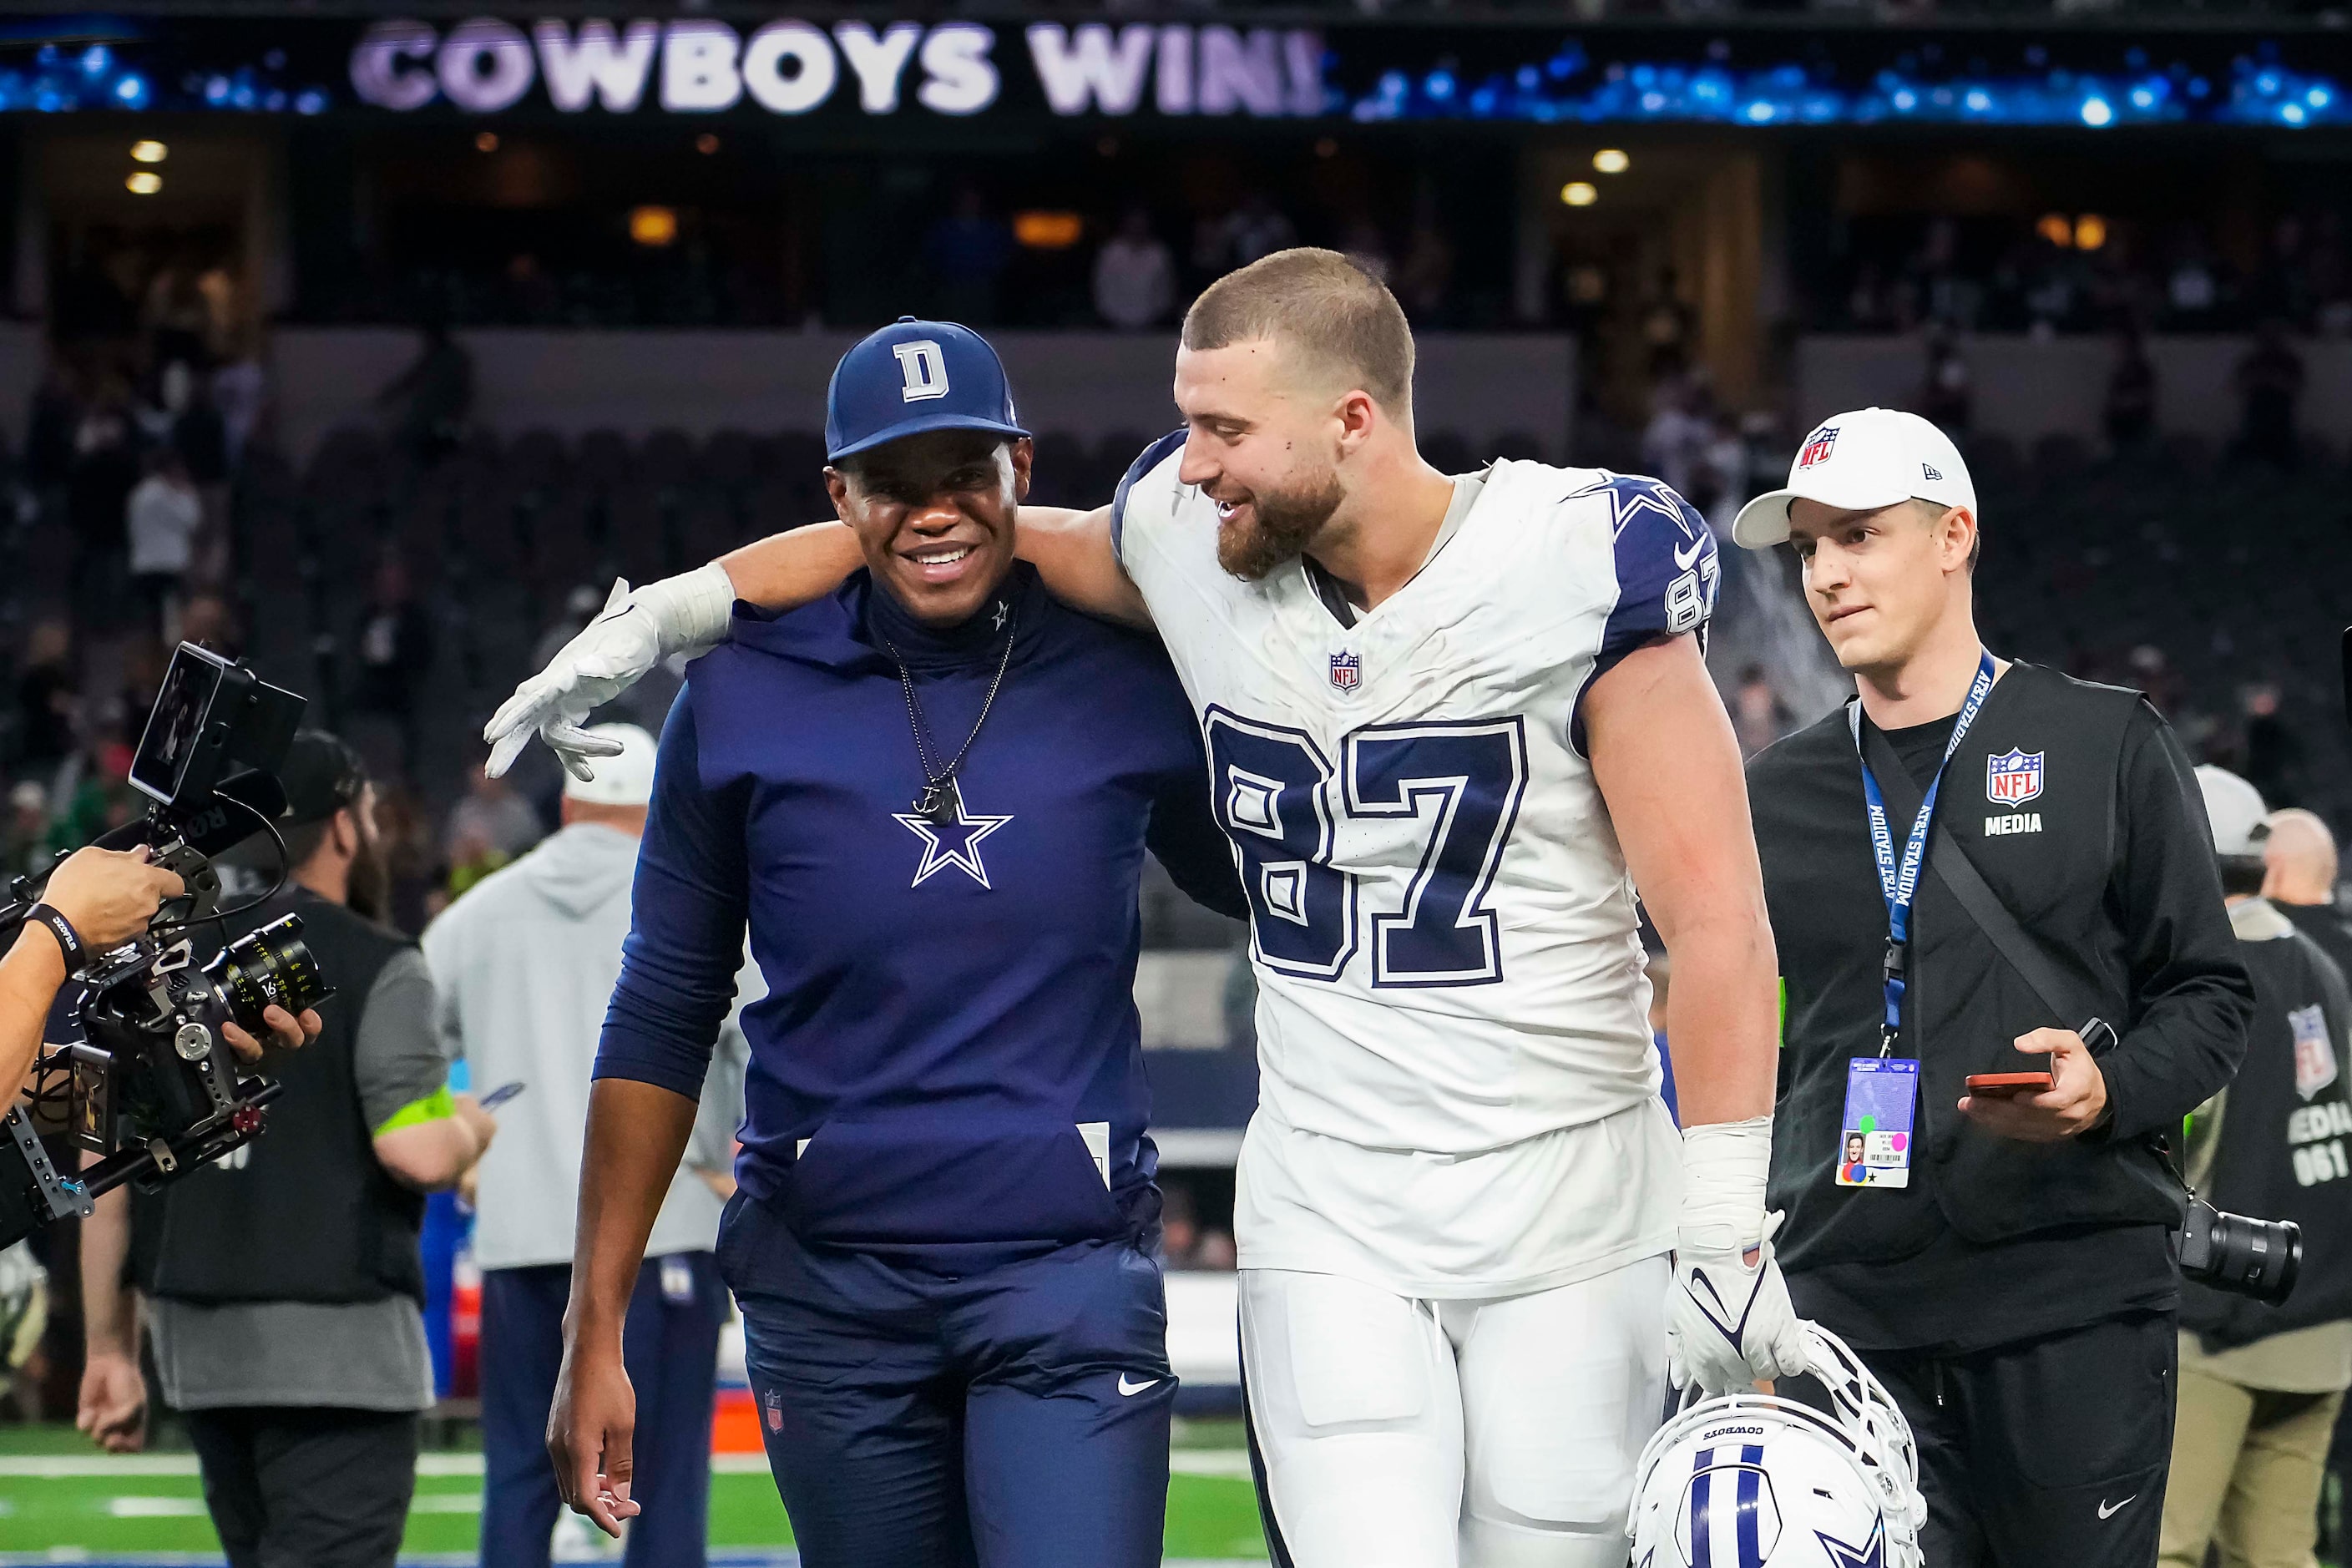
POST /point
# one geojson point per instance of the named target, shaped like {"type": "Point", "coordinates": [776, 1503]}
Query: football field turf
{"type": "Point", "coordinates": [62, 1502]}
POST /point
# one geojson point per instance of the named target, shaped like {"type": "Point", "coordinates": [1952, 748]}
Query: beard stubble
{"type": "Point", "coordinates": [1278, 529]}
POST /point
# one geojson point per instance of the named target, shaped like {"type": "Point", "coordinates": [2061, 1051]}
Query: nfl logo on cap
{"type": "Point", "coordinates": [2014, 777]}
{"type": "Point", "coordinates": [1347, 670]}
{"type": "Point", "coordinates": [1817, 447]}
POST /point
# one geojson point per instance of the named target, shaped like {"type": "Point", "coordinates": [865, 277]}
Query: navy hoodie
{"type": "Point", "coordinates": [948, 1052]}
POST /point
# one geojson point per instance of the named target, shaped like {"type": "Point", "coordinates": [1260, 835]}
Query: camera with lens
{"type": "Point", "coordinates": [2247, 1257]}
{"type": "Point", "coordinates": [152, 1089]}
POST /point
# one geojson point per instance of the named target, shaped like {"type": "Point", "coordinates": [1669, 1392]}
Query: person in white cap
{"type": "Point", "coordinates": [2007, 965]}
{"type": "Point", "coordinates": [2261, 1386]}
{"type": "Point", "coordinates": [523, 965]}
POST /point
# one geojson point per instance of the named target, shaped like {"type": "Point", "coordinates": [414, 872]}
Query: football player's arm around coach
{"type": "Point", "coordinates": [687, 614]}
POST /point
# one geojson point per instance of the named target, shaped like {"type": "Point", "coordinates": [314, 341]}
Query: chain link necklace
{"type": "Point", "coordinates": [940, 801]}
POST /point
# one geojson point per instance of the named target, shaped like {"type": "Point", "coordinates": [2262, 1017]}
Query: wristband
{"type": "Point", "coordinates": [1725, 1167]}
{"type": "Point", "coordinates": [691, 610]}
{"type": "Point", "coordinates": [69, 938]}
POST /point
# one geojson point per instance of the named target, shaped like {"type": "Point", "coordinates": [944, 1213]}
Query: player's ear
{"type": "Point", "coordinates": [1359, 415]}
{"type": "Point", "coordinates": [1024, 453]}
{"type": "Point", "coordinates": [836, 484]}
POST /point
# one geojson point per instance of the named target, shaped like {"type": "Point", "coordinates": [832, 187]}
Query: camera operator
{"type": "Point", "coordinates": [287, 1284]}
{"type": "Point", "coordinates": [2261, 1386]}
{"type": "Point", "coordinates": [104, 898]}
{"type": "Point", "coordinates": [2001, 1259]}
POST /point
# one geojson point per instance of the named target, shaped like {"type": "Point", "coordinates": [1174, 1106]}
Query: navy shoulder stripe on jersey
{"type": "Point", "coordinates": [1154, 456]}
{"type": "Point", "coordinates": [1668, 573]}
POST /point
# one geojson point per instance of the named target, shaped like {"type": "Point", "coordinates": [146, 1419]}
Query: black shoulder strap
{"type": "Point", "coordinates": [1949, 863]}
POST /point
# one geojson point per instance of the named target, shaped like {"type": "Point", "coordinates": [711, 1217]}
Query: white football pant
{"type": "Point", "coordinates": [1497, 1433]}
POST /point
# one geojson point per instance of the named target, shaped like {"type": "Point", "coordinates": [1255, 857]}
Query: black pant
{"type": "Point", "coordinates": [2048, 1454]}
{"type": "Point", "coordinates": [306, 1488]}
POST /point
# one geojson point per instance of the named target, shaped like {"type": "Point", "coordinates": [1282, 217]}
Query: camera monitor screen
{"type": "Point", "coordinates": [189, 687]}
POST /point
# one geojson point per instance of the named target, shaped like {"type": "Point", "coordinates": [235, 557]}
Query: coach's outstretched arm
{"type": "Point", "coordinates": [1668, 766]}
{"type": "Point", "coordinates": [1071, 550]}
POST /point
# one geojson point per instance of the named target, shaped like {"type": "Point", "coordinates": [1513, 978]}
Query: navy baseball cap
{"type": "Point", "coordinates": [914, 376]}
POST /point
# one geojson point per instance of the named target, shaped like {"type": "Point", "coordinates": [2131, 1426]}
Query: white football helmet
{"type": "Point", "coordinates": [1755, 1481]}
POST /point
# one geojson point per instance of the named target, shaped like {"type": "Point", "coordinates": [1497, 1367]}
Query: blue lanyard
{"type": "Point", "coordinates": [1898, 883]}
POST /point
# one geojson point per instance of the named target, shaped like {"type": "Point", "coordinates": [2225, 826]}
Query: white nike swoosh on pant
{"type": "Point", "coordinates": [1131, 1390]}
{"type": "Point", "coordinates": [2104, 1510]}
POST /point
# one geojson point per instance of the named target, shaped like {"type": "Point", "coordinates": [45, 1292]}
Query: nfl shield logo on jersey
{"type": "Point", "coordinates": [1347, 670]}
{"type": "Point", "coordinates": [2014, 777]}
{"type": "Point", "coordinates": [774, 1405]}
{"type": "Point", "coordinates": [1817, 447]}
{"type": "Point", "coordinates": [2314, 1058]}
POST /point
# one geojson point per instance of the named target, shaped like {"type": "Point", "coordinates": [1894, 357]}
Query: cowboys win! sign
{"type": "Point", "coordinates": [701, 65]}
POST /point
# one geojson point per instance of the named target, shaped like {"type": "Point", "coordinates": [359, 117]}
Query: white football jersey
{"type": "Point", "coordinates": [1442, 930]}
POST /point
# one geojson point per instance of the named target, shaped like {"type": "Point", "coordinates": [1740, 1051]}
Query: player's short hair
{"type": "Point", "coordinates": [1337, 317]}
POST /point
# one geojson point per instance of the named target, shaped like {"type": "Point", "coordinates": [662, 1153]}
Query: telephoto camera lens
{"type": "Point", "coordinates": [270, 967]}
{"type": "Point", "coordinates": [2234, 1252]}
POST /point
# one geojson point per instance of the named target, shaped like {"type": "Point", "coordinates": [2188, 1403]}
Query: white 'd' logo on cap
{"type": "Point", "coordinates": [924, 369]}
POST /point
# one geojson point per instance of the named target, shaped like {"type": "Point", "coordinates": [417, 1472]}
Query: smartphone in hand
{"type": "Point", "coordinates": [2006, 1084]}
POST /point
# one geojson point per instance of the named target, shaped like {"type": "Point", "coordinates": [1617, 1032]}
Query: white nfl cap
{"type": "Point", "coordinates": [624, 780]}
{"type": "Point", "coordinates": [1860, 462]}
{"type": "Point", "coordinates": [2241, 821]}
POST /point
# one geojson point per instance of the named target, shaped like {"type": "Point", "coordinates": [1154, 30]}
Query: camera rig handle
{"type": "Point", "coordinates": [195, 873]}
{"type": "Point", "coordinates": [55, 1195]}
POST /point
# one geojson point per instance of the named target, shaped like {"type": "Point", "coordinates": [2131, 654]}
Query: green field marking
{"type": "Point", "coordinates": [57, 1494]}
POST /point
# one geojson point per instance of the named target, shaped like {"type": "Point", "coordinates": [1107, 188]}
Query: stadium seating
{"type": "Point", "coordinates": [2223, 568]}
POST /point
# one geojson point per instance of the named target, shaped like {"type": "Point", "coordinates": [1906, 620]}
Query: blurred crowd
{"type": "Point", "coordinates": [975, 259]}
{"type": "Point", "coordinates": [2086, 273]}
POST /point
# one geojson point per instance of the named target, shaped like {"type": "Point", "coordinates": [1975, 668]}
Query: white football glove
{"type": "Point", "coordinates": [686, 614]}
{"type": "Point", "coordinates": [1730, 1323]}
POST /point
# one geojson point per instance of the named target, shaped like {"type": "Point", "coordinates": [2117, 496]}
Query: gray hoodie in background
{"type": "Point", "coordinates": [523, 965]}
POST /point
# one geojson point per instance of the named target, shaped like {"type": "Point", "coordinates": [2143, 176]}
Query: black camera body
{"type": "Point", "coordinates": [153, 1087]}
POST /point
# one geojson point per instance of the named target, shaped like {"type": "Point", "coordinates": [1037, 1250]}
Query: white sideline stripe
{"type": "Point", "coordinates": [67, 1466]}
{"type": "Point", "coordinates": [1222, 1463]}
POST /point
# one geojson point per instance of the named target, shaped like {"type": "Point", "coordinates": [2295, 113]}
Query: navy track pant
{"type": "Point", "coordinates": [1012, 1417]}
{"type": "Point", "coordinates": [670, 1345]}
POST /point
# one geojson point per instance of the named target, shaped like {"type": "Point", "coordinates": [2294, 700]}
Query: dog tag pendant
{"type": "Point", "coordinates": [939, 803]}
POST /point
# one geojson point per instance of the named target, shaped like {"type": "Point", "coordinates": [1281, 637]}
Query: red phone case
{"type": "Point", "coordinates": [2008, 1083]}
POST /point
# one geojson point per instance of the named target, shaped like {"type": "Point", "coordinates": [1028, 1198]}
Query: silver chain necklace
{"type": "Point", "coordinates": [940, 801]}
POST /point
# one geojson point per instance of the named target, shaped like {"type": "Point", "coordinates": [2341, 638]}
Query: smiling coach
{"type": "Point", "coordinates": [2002, 1259]}
{"type": "Point", "coordinates": [927, 795]}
